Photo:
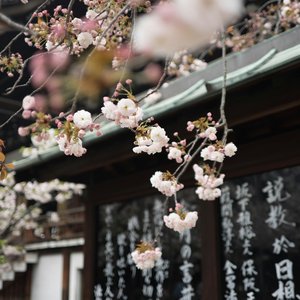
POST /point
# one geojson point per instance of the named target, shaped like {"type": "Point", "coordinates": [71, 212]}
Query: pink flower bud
{"type": "Point", "coordinates": [70, 118]}
{"type": "Point", "coordinates": [190, 126]}
{"type": "Point", "coordinates": [81, 133]}
{"type": "Point", "coordinates": [106, 98]}
{"type": "Point", "coordinates": [26, 114]}
{"type": "Point", "coordinates": [183, 142]}
{"type": "Point", "coordinates": [23, 131]}
{"type": "Point", "coordinates": [179, 206]}
{"type": "Point", "coordinates": [128, 81]}
{"type": "Point", "coordinates": [119, 86]}
{"type": "Point", "coordinates": [28, 102]}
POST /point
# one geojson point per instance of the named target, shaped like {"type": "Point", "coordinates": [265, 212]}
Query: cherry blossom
{"type": "Point", "coordinates": [181, 220]}
{"type": "Point", "coordinates": [28, 103]}
{"type": "Point", "coordinates": [174, 26]}
{"type": "Point", "coordinates": [175, 153]}
{"type": "Point", "coordinates": [211, 153]}
{"type": "Point", "coordinates": [150, 139]}
{"type": "Point", "coordinates": [145, 256]}
{"type": "Point", "coordinates": [70, 146]}
{"type": "Point", "coordinates": [82, 119]}
{"type": "Point", "coordinates": [125, 113]}
{"type": "Point", "coordinates": [208, 183]}
{"type": "Point", "coordinates": [166, 183]}
{"type": "Point", "coordinates": [85, 39]}
{"type": "Point", "coordinates": [230, 149]}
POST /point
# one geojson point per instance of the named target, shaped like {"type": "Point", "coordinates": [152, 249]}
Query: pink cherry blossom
{"type": "Point", "coordinates": [147, 259]}
{"type": "Point", "coordinates": [175, 222]}
{"type": "Point", "coordinates": [82, 119]}
{"type": "Point", "coordinates": [28, 103]}
{"type": "Point", "coordinates": [167, 186]}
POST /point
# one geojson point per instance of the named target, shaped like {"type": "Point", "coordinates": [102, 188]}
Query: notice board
{"type": "Point", "coordinates": [260, 221]}
{"type": "Point", "coordinates": [121, 226]}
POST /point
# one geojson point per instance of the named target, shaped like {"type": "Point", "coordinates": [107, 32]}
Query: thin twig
{"type": "Point", "coordinates": [277, 26]}
{"type": "Point", "coordinates": [160, 82]}
{"type": "Point", "coordinates": [11, 117]}
{"type": "Point", "coordinates": [70, 6]}
{"type": "Point", "coordinates": [223, 97]}
{"type": "Point", "coordinates": [21, 85]}
{"type": "Point", "coordinates": [14, 25]}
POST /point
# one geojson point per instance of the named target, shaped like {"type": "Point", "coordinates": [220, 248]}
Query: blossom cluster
{"type": "Point", "coordinates": [208, 182]}
{"type": "Point", "coordinates": [263, 24]}
{"type": "Point", "coordinates": [68, 135]}
{"type": "Point", "coordinates": [11, 64]}
{"type": "Point", "coordinates": [62, 30]}
{"type": "Point", "coordinates": [72, 130]}
{"type": "Point", "coordinates": [17, 214]}
{"type": "Point", "coordinates": [166, 183]}
{"type": "Point", "coordinates": [177, 150]}
{"type": "Point", "coordinates": [126, 113]}
{"type": "Point", "coordinates": [193, 25]}
{"type": "Point", "coordinates": [184, 63]}
{"type": "Point", "coordinates": [181, 220]}
{"type": "Point", "coordinates": [218, 151]}
{"type": "Point", "coordinates": [145, 256]}
{"type": "Point", "coordinates": [150, 139]}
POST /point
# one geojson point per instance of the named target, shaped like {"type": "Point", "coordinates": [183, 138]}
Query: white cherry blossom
{"type": "Point", "coordinates": [230, 149]}
{"type": "Point", "coordinates": [85, 39]}
{"type": "Point", "coordinates": [175, 153]}
{"type": "Point", "coordinates": [147, 259]}
{"type": "Point", "coordinates": [208, 184]}
{"type": "Point", "coordinates": [28, 102]}
{"type": "Point", "coordinates": [166, 184]}
{"type": "Point", "coordinates": [127, 107]}
{"type": "Point", "coordinates": [82, 119]}
{"type": "Point", "coordinates": [175, 222]}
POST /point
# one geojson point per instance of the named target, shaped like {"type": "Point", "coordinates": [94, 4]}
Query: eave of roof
{"type": "Point", "coordinates": [267, 57]}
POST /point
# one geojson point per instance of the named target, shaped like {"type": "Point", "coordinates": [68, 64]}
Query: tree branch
{"type": "Point", "coordinates": [14, 25]}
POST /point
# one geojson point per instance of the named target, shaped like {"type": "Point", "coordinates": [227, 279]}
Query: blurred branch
{"type": "Point", "coordinates": [14, 25]}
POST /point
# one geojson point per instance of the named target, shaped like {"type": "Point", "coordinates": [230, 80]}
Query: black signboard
{"type": "Point", "coordinates": [121, 226]}
{"type": "Point", "coordinates": [260, 217]}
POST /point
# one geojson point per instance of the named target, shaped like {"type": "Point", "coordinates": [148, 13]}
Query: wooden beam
{"type": "Point", "coordinates": [66, 274]}
{"type": "Point", "coordinates": [89, 250]}
{"type": "Point", "coordinates": [210, 248]}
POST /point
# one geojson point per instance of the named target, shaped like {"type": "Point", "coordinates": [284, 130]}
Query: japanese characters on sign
{"type": "Point", "coordinates": [261, 236]}
{"type": "Point", "coordinates": [117, 275]}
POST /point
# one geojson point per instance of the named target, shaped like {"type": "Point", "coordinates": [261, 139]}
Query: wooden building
{"type": "Point", "coordinates": [263, 108]}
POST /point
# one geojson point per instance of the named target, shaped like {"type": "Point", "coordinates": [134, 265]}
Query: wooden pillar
{"type": "Point", "coordinates": [211, 256]}
{"type": "Point", "coordinates": [89, 250]}
{"type": "Point", "coordinates": [28, 280]}
{"type": "Point", "coordinates": [66, 274]}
